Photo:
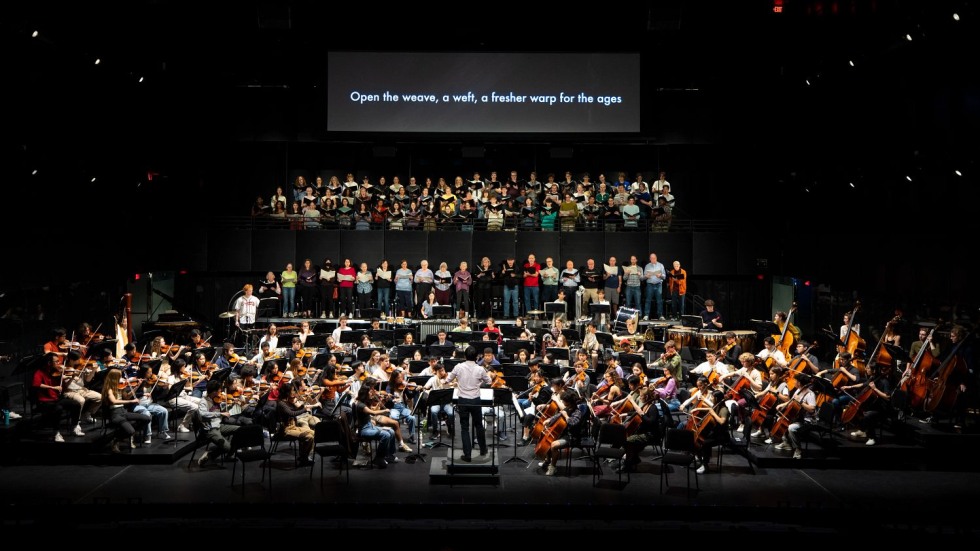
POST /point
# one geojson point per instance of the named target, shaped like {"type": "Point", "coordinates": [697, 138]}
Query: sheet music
{"type": "Point", "coordinates": [611, 270]}
{"type": "Point", "coordinates": [384, 274]}
{"type": "Point", "coordinates": [344, 277]}
{"type": "Point", "coordinates": [364, 277]}
{"type": "Point", "coordinates": [327, 274]}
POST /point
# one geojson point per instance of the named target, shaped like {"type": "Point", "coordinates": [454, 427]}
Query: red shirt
{"type": "Point", "coordinates": [42, 377]}
{"type": "Point", "coordinates": [532, 281]}
{"type": "Point", "coordinates": [350, 272]}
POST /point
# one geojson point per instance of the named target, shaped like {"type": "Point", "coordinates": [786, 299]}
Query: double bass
{"type": "Point", "coordinates": [915, 381]}
{"type": "Point", "coordinates": [944, 392]}
{"type": "Point", "coordinates": [784, 340]}
{"type": "Point", "coordinates": [852, 342]}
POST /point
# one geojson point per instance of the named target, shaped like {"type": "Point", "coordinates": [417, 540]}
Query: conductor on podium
{"type": "Point", "coordinates": [469, 378]}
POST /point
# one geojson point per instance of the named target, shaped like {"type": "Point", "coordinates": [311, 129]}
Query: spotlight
{"type": "Point", "coordinates": [850, 184]}
{"type": "Point", "coordinates": [956, 17]}
{"type": "Point", "coordinates": [851, 63]}
{"type": "Point", "coordinates": [140, 80]}
{"type": "Point", "coordinates": [34, 34]}
{"type": "Point", "coordinates": [34, 172]}
{"type": "Point", "coordinates": [956, 172]}
{"type": "Point", "coordinates": [807, 82]}
{"type": "Point", "coordinates": [909, 178]}
{"type": "Point", "coordinates": [908, 37]}
{"type": "Point", "coordinates": [93, 179]}
{"type": "Point", "coordinates": [98, 60]}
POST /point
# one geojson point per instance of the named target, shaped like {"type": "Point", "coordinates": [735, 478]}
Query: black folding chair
{"type": "Point", "coordinates": [679, 449]}
{"type": "Point", "coordinates": [330, 440]}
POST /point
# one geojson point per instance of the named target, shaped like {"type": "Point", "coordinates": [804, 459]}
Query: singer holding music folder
{"type": "Point", "coordinates": [469, 378]}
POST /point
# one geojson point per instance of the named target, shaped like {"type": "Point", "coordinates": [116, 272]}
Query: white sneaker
{"type": "Point", "coordinates": [58, 437]}
{"type": "Point", "coordinates": [757, 433]}
{"type": "Point", "coordinates": [740, 428]}
{"type": "Point", "coordinates": [166, 436]}
{"type": "Point", "coordinates": [323, 316]}
{"type": "Point", "coordinates": [88, 419]}
{"type": "Point", "coordinates": [797, 454]}
{"type": "Point", "coordinates": [405, 447]}
{"type": "Point", "coordinates": [859, 434]}
{"type": "Point", "coordinates": [662, 318]}
{"type": "Point", "coordinates": [14, 415]}
{"type": "Point", "coordinates": [132, 442]}
{"type": "Point", "coordinates": [768, 440]}
{"type": "Point", "coordinates": [201, 461]}
{"type": "Point", "coordinates": [182, 428]}
{"type": "Point", "coordinates": [702, 469]}
{"type": "Point", "coordinates": [147, 440]}
{"type": "Point", "coordinates": [783, 446]}
{"type": "Point", "coordinates": [542, 463]}
{"type": "Point", "coordinates": [870, 442]}
{"type": "Point", "coordinates": [646, 318]}
{"type": "Point", "coordinates": [78, 431]}
{"type": "Point", "coordinates": [552, 471]}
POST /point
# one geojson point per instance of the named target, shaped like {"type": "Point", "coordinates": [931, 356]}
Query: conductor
{"type": "Point", "coordinates": [469, 378]}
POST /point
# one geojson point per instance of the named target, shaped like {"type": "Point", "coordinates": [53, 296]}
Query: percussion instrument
{"type": "Point", "coordinates": [746, 339]}
{"type": "Point", "coordinates": [227, 315]}
{"type": "Point", "coordinates": [391, 320]}
{"type": "Point", "coordinates": [682, 336]}
{"type": "Point", "coordinates": [711, 340]}
{"type": "Point", "coordinates": [399, 320]}
{"type": "Point", "coordinates": [622, 316]}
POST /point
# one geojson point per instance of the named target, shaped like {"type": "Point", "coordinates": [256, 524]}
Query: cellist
{"type": "Point", "coordinates": [573, 418]}
{"type": "Point", "coordinates": [716, 430]}
{"type": "Point", "coordinates": [876, 408]}
{"type": "Point", "coordinates": [807, 400]}
{"type": "Point", "coordinates": [771, 352]}
{"type": "Point", "coordinates": [756, 384]}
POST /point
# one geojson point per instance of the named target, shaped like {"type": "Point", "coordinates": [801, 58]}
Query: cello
{"type": "Point", "coordinates": [787, 416]}
{"type": "Point", "coordinates": [942, 395]}
{"type": "Point", "coordinates": [553, 428]}
{"type": "Point", "coordinates": [796, 367]}
{"type": "Point", "coordinates": [880, 355]}
{"type": "Point", "coordinates": [784, 340]}
{"type": "Point", "coordinates": [852, 342]}
{"type": "Point", "coordinates": [915, 381]}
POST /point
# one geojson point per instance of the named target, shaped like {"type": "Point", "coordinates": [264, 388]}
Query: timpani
{"type": "Point", "coordinates": [746, 339]}
{"type": "Point", "coordinates": [682, 336]}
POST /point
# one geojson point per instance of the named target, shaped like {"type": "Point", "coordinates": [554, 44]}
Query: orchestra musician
{"type": "Point", "coordinates": [732, 350]}
{"type": "Point", "coordinates": [290, 408]}
{"type": "Point", "coordinates": [271, 336]}
{"type": "Point", "coordinates": [117, 394]}
{"type": "Point", "coordinates": [852, 377]}
{"type": "Point", "coordinates": [438, 381]}
{"type": "Point", "coordinates": [400, 406]}
{"type": "Point", "coordinates": [711, 318]}
{"type": "Point", "coordinates": [781, 319]}
{"type": "Point", "coordinates": [665, 389]}
{"type": "Point", "coordinates": [366, 411]}
{"type": "Point", "coordinates": [808, 400]}
{"type": "Point", "coordinates": [382, 400]}
{"type": "Point", "coordinates": [736, 404]}
{"type": "Point", "coordinates": [770, 351]}
{"type": "Point", "coordinates": [76, 375]}
{"type": "Point", "coordinates": [609, 391]}
{"type": "Point", "coordinates": [333, 384]}
{"type": "Point", "coordinates": [246, 308]}
{"type": "Point", "coordinates": [304, 331]}
{"type": "Point", "coordinates": [159, 416]}
{"type": "Point", "coordinates": [876, 408]}
{"type": "Point", "coordinates": [538, 396]}
{"type": "Point", "coordinates": [212, 416]}
{"type": "Point", "coordinates": [779, 390]}
{"type": "Point", "coordinates": [51, 402]}
{"type": "Point", "coordinates": [58, 345]}
{"type": "Point", "coordinates": [574, 426]}
{"type": "Point", "coordinates": [670, 360]}
{"type": "Point", "coordinates": [701, 395]}
{"type": "Point", "coordinates": [711, 367]}
{"type": "Point", "coordinates": [716, 432]}
{"type": "Point", "coordinates": [648, 432]}
{"type": "Point", "coordinates": [181, 374]}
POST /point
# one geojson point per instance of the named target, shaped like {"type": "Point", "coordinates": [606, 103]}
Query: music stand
{"type": "Point", "coordinates": [386, 336]}
{"type": "Point", "coordinates": [513, 346]}
{"type": "Point", "coordinates": [172, 393]}
{"type": "Point", "coordinates": [364, 354]}
{"type": "Point", "coordinates": [596, 309]}
{"type": "Point", "coordinates": [407, 350]}
{"type": "Point", "coordinates": [442, 312]}
{"type": "Point", "coordinates": [556, 309]}
{"type": "Point", "coordinates": [897, 353]}
{"type": "Point", "coordinates": [765, 327]}
{"type": "Point", "coordinates": [550, 370]}
{"type": "Point", "coordinates": [439, 397]}
{"type": "Point", "coordinates": [627, 360]}
{"type": "Point", "coordinates": [399, 334]}
{"type": "Point", "coordinates": [353, 336]}
{"type": "Point", "coordinates": [571, 335]}
{"type": "Point", "coordinates": [501, 397]}
{"type": "Point", "coordinates": [558, 354]}
{"type": "Point", "coordinates": [416, 366]}
{"type": "Point", "coordinates": [442, 350]}
{"type": "Point", "coordinates": [370, 313]}
{"type": "Point", "coordinates": [97, 381]}
{"type": "Point", "coordinates": [693, 322]}
{"type": "Point", "coordinates": [512, 371]}
{"type": "Point", "coordinates": [509, 331]}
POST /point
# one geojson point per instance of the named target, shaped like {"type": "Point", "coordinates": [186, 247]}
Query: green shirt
{"type": "Point", "coordinates": [289, 279]}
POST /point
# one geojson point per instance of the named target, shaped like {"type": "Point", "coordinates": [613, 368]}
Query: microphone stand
{"type": "Point", "coordinates": [229, 309]}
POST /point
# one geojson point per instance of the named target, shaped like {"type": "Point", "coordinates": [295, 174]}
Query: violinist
{"type": "Point", "coordinates": [671, 360]}
{"type": "Point", "coordinates": [805, 396]}
{"type": "Point", "coordinates": [608, 392]}
{"type": "Point", "coordinates": [332, 385]}
{"type": "Point", "coordinates": [717, 430]}
{"type": "Point", "coordinates": [732, 350]}
{"type": "Point", "coordinates": [213, 419]}
{"type": "Point", "coordinates": [380, 401]}
{"type": "Point", "coordinates": [878, 406]}
{"type": "Point", "coordinates": [290, 410]}
{"type": "Point", "coordinates": [198, 344]}
{"type": "Point", "coordinates": [108, 361]}
{"type": "Point", "coordinates": [47, 385]}
{"type": "Point", "coordinates": [648, 433]}
{"type": "Point", "coordinates": [665, 389]}
{"type": "Point", "coordinates": [203, 369]}
{"type": "Point", "coordinates": [76, 375]}
{"type": "Point", "coordinates": [116, 395]}
{"type": "Point", "coordinates": [400, 407]}
{"type": "Point", "coordinates": [265, 354]}
{"type": "Point", "coordinates": [574, 427]}
{"type": "Point", "coordinates": [58, 345]}
{"type": "Point", "coordinates": [367, 411]}
{"type": "Point", "coordinates": [378, 366]}
{"type": "Point", "coordinates": [296, 352]}
{"type": "Point", "coordinates": [578, 378]}
{"type": "Point", "coordinates": [181, 374]}
{"type": "Point", "coordinates": [305, 331]}
{"type": "Point", "coordinates": [160, 417]}
{"type": "Point", "coordinates": [439, 381]}
{"type": "Point", "coordinates": [160, 349]}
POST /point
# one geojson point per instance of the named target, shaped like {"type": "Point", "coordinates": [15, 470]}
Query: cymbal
{"type": "Point", "coordinates": [926, 324]}
{"type": "Point", "coordinates": [535, 312]}
{"type": "Point", "coordinates": [226, 315]}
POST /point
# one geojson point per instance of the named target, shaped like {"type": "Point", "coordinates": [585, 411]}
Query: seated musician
{"type": "Point", "coordinates": [333, 384]}
{"type": "Point", "coordinates": [401, 403]}
{"type": "Point", "coordinates": [647, 433]}
{"type": "Point", "coordinates": [127, 422]}
{"type": "Point", "coordinates": [212, 416]}
{"type": "Point", "coordinates": [546, 392]}
{"type": "Point", "coordinates": [58, 345]}
{"type": "Point", "coordinates": [332, 346]}
{"type": "Point", "coordinates": [88, 337]}
{"type": "Point", "coordinates": [756, 383]}
{"type": "Point", "coordinates": [227, 358]}
{"type": "Point", "coordinates": [577, 378]}
{"type": "Point", "coordinates": [771, 352]}
{"type": "Point", "coordinates": [590, 344]}
{"type": "Point", "coordinates": [488, 360]}
{"type": "Point", "coordinates": [463, 327]}
{"type": "Point", "coordinates": [367, 410]}
{"type": "Point", "coordinates": [236, 403]}
{"type": "Point", "coordinates": [290, 408]}
{"type": "Point", "coordinates": [810, 364]}
{"type": "Point", "coordinates": [702, 393]}
{"type": "Point", "coordinates": [159, 415]}
{"type": "Point", "coordinates": [637, 369]}
{"type": "Point", "coordinates": [132, 358]}
{"type": "Point", "coordinates": [666, 389]}
{"type": "Point", "coordinates": [108, 361]}
{"type": "Point", "coordinates": [382, 400]}
{"type": "Point", "coordinates": [75, 377]}
{"type": "Point", "coordinates": [670, 359]}
{"type": "Point", "coordinates": [198, 344]}
{"type": "Point", "coordinates": [876, 408]}
{"type": "Point", "coordinates": [305, 331]}
{"type": "Point", "coordinates": [51, 402]}
{"type": "Point", "coordinates": [711, 368]}
{"type": "Point", "coordinates": [620, 407]}
{"type": "Point", "coordinates": [296, 352]}
{"type": "Point", "coordinates": [808, 400]}
{"type": "Point", "coordinates": [609, 391]}
{"type": "Point", "coordinates": [848, 377]}
{"type": "Point", "coordinates": [732, 349]}
{"type": "Point", "coordinates": [264, 354]}
{"type": "Point", "coordinates": [494, 331]}
{"type": "Point", "coordinates": [717, 430]}
{"type": "Point", "coordinates": [438, 381]}
{"type": "Point", "coordinates": [778, 388]}
{"type": "Point", "coordinates": [574, 429]}
{"type": "Point", "coordinates": [166, 353]}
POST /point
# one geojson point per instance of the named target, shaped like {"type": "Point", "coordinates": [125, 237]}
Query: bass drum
{"type": "Point", "coordinates": [682, 336]}
{"type": "Point", "coordinates": [622, 316]}
{"type": "Point", "coordinates": [710, 340]}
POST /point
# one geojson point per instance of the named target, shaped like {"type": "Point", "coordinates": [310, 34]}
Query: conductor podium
{"type": "Point", "coordinates": [480, 469]}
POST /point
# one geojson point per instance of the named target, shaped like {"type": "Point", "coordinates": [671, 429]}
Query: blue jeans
{"type": "Point", "coordinates": [398, 412]}
{"type": "Point", "coordinates": [510, 297]}
{"type": "Point", "coordinates": [405, 301]}
{"type": "Point", "coordinates": [633, 298]}
{"type": "Point", "coordinates": [654, 290]}
{"type": "Point", "coordinates": [434, 417]}
{"type": "Point", "coordinates": [385, 437]}
{"type": "Point", "coordinates": [288, 300]}
{"type": "Point", "coordinates": [159, 414]}
{"type": "Point", "coordinates": [384, 300]}
{"type": "Point", "coordinates": [531, 298]}
{"type": "Point", "coordinates": [549, 293]}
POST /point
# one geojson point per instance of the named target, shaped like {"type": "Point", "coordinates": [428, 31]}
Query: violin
{"type": "Point", "coordinates": [131, 383]}
{"type": "Point", "coordinates": [497, 380]}
{"type": "Point", "coordinates": [153, 380]}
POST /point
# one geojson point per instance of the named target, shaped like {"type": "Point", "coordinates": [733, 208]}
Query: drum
{"type": "Point", "coordinates": [399, 320]}
{"type": "Point", "coordinates": [391, 320]}
{"type": "Point", "coordinates": [681, 335]}
{"type": "Point", "coordinates": [622, 315]}
{"type": "Point", "coordinates": [746, 339]}
{"type": "Point", "coordinates": [710, 340]}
